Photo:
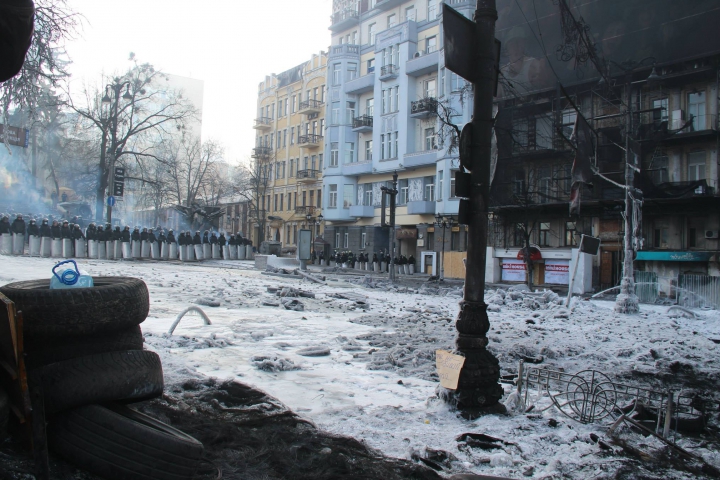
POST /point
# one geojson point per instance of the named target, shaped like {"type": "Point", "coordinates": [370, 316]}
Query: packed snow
{"type": "Point", "coordinates": [367, 368]}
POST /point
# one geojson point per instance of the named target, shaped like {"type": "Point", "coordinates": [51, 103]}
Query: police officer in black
{"type": "Point", "coordinates": [213, 239]}
{"type": "Point", "coordinates": [33, 229]}
{"type": "Point", "coordinates": [170, 237]}
{"type": "Point", "coordinates": [55, 230]}
{"type": "Point", "coordinates": [45, 228]}
{"type": "Point", "coordinates": [144, 235]}
{"type": "Point", "coordinates": [117, 234]}
{"type": "Point", "coordinates": [161, 238]}
{"type": "Point", "coordinates": [151, 236]}
{"type": "Point", "coordinates": [91, 232]}
{"type": "Point", "coordinates": [135, 237]}
{"type": "Point", "coordinates": [5, 225]}
{"type": "Point", "coordinates": [126, 234]}
{"type": "Point", "coordinates": [65, 231]}
{"type": "Point", "coordinates": [206, 237]}
{"type": "Point", "coordinates": [18, 225]}
{"type": "Point", "coordinates": [196, 239]}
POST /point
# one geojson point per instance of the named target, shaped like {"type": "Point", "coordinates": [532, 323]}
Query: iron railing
{"type": "Point", "coordinates": [308, 174]}
{"type": "Point", "coordinates": [306, 104]}
{"type": "Point", "coordinates": [310, 139]}
{"type": "Point", "coordinates": [363, 121]}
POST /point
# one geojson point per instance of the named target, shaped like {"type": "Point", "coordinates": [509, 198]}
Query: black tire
{"type": "Point", "coordinates": [130, 376]}
{"type": "Point", "coordinates": [118, 443]}
{"type": "Point", "coordinates": [44, 351]}
{"type": "Point", "coordinates": [113, 304]}
{"type": "Point", "coordinates": [4, 413]}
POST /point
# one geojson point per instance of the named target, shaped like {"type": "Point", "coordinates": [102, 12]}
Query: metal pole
{"type": "Point", "coordinates": [442, 255]}
{"type": "Point", "coordinates": [478, 389]}
{"type": "Point", "coordinates": [575, 268]}
{"type": "Point", "coordinates": [627, 301]}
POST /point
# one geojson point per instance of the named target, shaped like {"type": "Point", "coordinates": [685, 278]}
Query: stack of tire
{"type": "Point", "coordinates": [84, 347]}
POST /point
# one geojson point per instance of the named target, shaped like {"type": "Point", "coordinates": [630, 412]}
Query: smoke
{"type": "Point", "coordinates": [20, 191]}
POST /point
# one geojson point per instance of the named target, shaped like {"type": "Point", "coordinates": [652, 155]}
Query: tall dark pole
{"type": "Point", "coordinates": [113, 139]}
{"type": "Point", "coordinates": [478, 389]}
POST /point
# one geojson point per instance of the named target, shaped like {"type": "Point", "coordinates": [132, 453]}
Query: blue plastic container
{"type": "Point", "coordinates": [69, 278]}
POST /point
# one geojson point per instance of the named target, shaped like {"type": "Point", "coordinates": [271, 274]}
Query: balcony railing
{"type": "Point", "coordinates": [308, 175]}
{"type": "Point", "coordinates": [310, 106]}
{"type": "Point", "coordinates": [343, 19]}
{"type": "Point", "coordinates": [262, 152]}
{"type": "Point", "coordinates": [389, 71]}
{"type": "Point", "coordinates": [305, 210]}
{"type": "Point", "coordinates": [263, 123]}
{"type": "Point", "coordinates": [363, 122]}
{"type": "Point", "coordinates": [310, 140]}
{"type": "Point", "coordinates": [424, 107]}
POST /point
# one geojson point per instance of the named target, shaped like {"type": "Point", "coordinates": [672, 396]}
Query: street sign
{"type": "Point", "coordinates": [589, 245]}
{"type": "Point", "coordinates": [118, 189]}
{"type": "Point", "coordinates": [120, 172]}
{"type": "Point", "coordinates": [460, 44]}
{"type": "Point", "coordinates": [111, 201]}
{"type": "Point", "coordinates": [16, 136]}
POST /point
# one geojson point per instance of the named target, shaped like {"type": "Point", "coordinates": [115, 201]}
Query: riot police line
{"type": "Point", "coordinates": [63, 239]}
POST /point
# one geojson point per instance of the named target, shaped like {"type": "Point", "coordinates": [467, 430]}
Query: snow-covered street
{"type": "Point", "coordinates": [378, 382]}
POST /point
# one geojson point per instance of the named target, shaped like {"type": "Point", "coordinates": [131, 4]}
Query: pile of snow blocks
{"type": "Point", "coordinates": [84, 348]}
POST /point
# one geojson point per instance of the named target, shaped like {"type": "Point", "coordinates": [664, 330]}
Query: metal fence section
{"type": "Point", "coordinates": [698, 291]}
{"type": "Point", "coordinates": [646, 286]}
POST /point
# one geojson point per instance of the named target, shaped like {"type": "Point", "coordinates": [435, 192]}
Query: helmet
{"type": "Point", "coordinates": [107, 225]}
{"type": "Point", "coordinates": [127, 227]}
{"type": "Point", "coordinates": [170, 231]}
{"type": "Point", "coordinates": [19, 215]}
{"type": "Point", "coordinates": [91, 225]}
{"type": "Point", "coordinates": [144, 230]}
{"type": "Point", "coordinates": [45, 220]}
{"type": "Point", "coordinates": [32, 222]}
{"type": "Point", "coordinates": [65, 222]}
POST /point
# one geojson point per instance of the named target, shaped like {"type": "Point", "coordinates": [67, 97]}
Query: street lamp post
{"type": "Point", "coordinates": [116, 87]}
{"type": "Point", "coordinates": [443, 222]}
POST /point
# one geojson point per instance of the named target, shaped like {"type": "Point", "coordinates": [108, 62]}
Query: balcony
{"type": "Point", "coordinates": [423, 63]}
{"type": "Point", "coordinates": [310, 141]}
{"type": "Point", "coordinates": [263, 123]}
{"type": "Point", "coordinates": [310, 106]}
{"type": "Point", "coordinates": [420, 159]}
{"type": "Point", "coordinates": [308, 176]}
{"type": "Point", "coordinates": [388, 4]}
{"type": "Point", "coordinates": [362, 124]}
{"type": "Point", "coordinates": [421, 208]}
{"type": "Point", "coordinates": [697, 127]}
{"type": "Point", "coordinates": [357, 168]}
{"type": "Point", "coordinates": [342, 20]}
{"type": "Point", "coordinates": [388, 72]}
{"type": "Point", "coordinates": [262, 152]}
{"type": "Point", "coordinates": [303, 210]}
{"type": "Point", "coordinates": [345, 50]}
{"type": "Point", "coordinates": [362, 211]}
{"type": "Point", "coordinates": [424, 108]}
{"type": "Point", "coordinates": [366, 83]}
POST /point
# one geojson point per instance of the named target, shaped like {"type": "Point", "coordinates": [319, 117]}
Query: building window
{"type": "Point", "coordinates": [349, 152]}
{"type": "Point", "coordinates": [430, 44]}
{"type": "Point", "coordinates": [430, 138]}
{"type": "Point", "coordinates": [348, 192]}
{"type": "Point", "coordinates": [659, 170]}
{"type": "Point", "coordinates": [391, 20]}
{"type": "Point", "coordinates": [346, 242]}
{"type": "Point", "coordinates": [429, 189]}
{"type": "Point", "coordinates": [319, 198]}
{"type": "Point", "coordinates": [696, 166]}
{"type": "Point", "coordinates": [403, 192]}
{"type": "Point", "coordinates": [371, 65]}
{"type": "Point", "coordinates": [440, 177]}
{"type": "Point", "coordinates": [570, 234]}
{"type": "Point", "coordinates": [350, 112]}
{"type": "Point", "coordinates": [334, 154]}
{"type": "Point", "coordinates": [429, 88]}
{"type": "Point", "coordinates": [432, 10]}
{"type": "Point", "coordinates": [692, 238]}
{"type": "Point", "coordinates": [518, 237]}
{"type": "Point", "coordinates": [544, 184]}
{"type": "Point", "coordinates": [336, 74]}
{"type": "Point", "coordinates": [363, 240]}
{"type": "Point", "coordinates": [410, 13]}
{"type": "Point", "coordinates": [543, 132]}
{"type": "Point", "coordinates": [332, 196]}
{"type": "Point", "coordinates": [294, 103]}
{"type": "Point", "coordinates": [660, 110]}
{"type": "Point", "coordinates": [660, 238]}
{"type": "Point", "coordinates": [371, 34]}
{"type": "Point", "coordinates": [292, 135]}
{"type": "Point", "coordinates": [368, 149]}
{"type": "Point", "coordinates": [337, 240]}
{"type": "Point", "coordinates": [544, 234]}
{"type": "Point", "coordinates": [568, 122]}
{"type": "Point", "coordinates": [352, 71]}
{"type": "Point", "coordinates": [457, 83]}
{"type": "Point", "coordinates": [382, 146]}
{"type": "Point", "coordinates": [368, 195]}
{"type": "Point", "coordinates": [335, 118]}
{"type": "Point", "coordinates": [452, 183]}
{"type": "Point", "coordinates": [696, 110]}
{"type": "Point", "coordinates": [320, 162]}
{"type": "Point", "coordinates": [282, 202]}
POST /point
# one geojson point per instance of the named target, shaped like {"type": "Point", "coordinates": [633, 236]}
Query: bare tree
{"type": "Point", "coordinates": [252, 183]}
{"type": "Point", "coordinates": [44, 67]}
{"type": "Point", "coordinates": [128, 127]}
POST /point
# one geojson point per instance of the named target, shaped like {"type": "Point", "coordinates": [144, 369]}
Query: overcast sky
{"type": "Point", "coordinates": [229, 44]}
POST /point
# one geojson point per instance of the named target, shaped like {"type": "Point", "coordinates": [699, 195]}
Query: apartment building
{"type": "Point", "coordinates": [386, 77]}
{"type": "Point", "coordinates": [289, 150]}
{"type": "Point", "coordinates": [671, 131]}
